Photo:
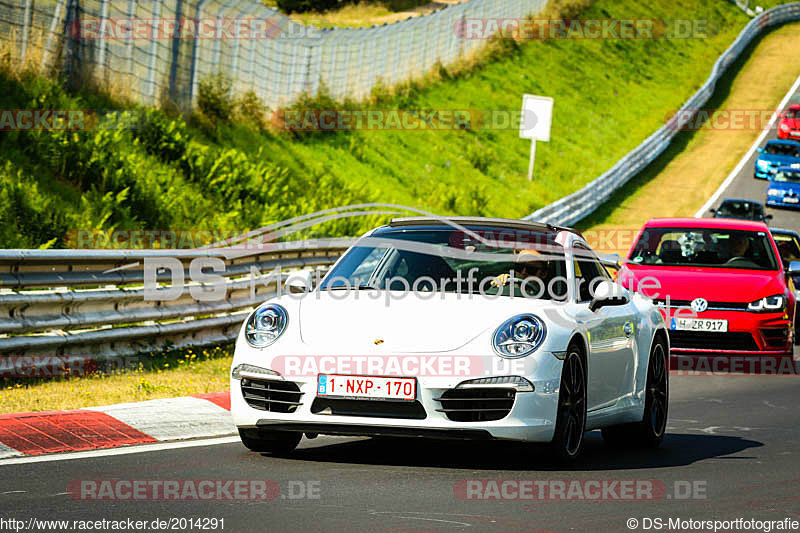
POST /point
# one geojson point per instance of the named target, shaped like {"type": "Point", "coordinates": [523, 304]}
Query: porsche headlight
{"type": "Point", "coordinates": [770, 304]}
{"type": "Point", "coordinates": [774, 192]}
{"type": "Point", "coordinates": [763, 165]}
{"type": "Point", "coordinates": [519, 336]}
{"type": "Point", "coordinates": [265, 325]}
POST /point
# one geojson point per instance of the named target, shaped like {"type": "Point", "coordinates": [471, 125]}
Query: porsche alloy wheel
{"type": "Point", "coordinates": [571, 415]}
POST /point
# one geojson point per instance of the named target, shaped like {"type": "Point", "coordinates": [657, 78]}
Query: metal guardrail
{"type": "Point", "coordinates": [574, 207]}
{"type": "Point", "coordinates": [92, 302]}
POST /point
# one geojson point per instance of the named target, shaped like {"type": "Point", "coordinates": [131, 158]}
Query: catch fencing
{"type": "Point", "coordinates": [157, 51]}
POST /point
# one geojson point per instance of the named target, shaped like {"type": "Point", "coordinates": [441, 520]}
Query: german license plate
{"type": "Point", "coordinates": [699, 324]}
{"type": "Point", "coordinates": [366, 387]}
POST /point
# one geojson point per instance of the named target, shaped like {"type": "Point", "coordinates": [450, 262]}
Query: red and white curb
{"type": "Point", "coordinates": [96, 428]}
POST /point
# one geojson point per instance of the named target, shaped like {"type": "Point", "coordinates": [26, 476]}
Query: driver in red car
{"type": "Point", "coordinates": [739, 247]}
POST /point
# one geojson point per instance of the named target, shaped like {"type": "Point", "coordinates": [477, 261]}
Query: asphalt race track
{"type": "Point", "coordinates": [733, 439]}
{"type": "Point", "coordinates": [746, 186]}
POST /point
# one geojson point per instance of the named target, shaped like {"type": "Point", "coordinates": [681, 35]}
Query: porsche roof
{"type": "Point", "coordinates": [506, 223]}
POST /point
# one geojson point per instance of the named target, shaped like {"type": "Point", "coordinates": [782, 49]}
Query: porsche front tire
{"type": "Point", "coordinates": [649, 433]}
{"type": "Point", "coordinates": [570, 427]}
{"type": "Point", "coordinates": [272, 442]}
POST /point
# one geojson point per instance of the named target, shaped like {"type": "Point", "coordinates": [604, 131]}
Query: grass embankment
{"type": "Point", "coordinates": [193, 371]}
{"type": "Point", "coordinates": [165, 173]}
{"type": "Point", "coordinates": [680, 181]}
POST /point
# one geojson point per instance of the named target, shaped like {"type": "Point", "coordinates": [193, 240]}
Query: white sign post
{"type": "Point", "coordinates": [537, 116]}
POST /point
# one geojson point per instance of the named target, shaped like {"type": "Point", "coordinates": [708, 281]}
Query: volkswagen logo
{"type": "Point", "coordinates": [699, 305]}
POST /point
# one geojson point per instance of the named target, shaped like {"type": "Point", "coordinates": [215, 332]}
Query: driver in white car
{"type": "Point", "coordinates": [529, 264]}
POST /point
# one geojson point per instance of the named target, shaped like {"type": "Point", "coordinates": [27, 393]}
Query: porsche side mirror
{"type": "Point", "coordinates": [301, 281]}
{"type": "Point", "coordinates": [767, 217]}
{"type": "Point", "coordinates": [760, 150]}
{"type": "Point", "coordinates": [712, 211]}
{"type": "Point", "coordinates": [794, 268]}
{"type": "Point", "coordinates": [607, 294]}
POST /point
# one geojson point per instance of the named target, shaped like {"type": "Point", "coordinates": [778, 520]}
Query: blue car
{"type": "Point", "coordinates": [784, 188]}
{"type": "Point", "coordinates": [776, 154]}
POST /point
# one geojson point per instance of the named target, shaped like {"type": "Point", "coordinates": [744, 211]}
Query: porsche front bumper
{"type": "Point", "coordinates": [530, 416]}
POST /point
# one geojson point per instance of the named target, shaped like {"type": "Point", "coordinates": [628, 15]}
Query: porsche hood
{"type": "Point", "coordinates": [403, 322]}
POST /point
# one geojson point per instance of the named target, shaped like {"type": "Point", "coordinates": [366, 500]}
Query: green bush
{"type": "Point", "coordinates": [161, 136]}
{"type": "Point", "coordinates": [27, 219]}
{"type": "Point", "coordinates": [214, 97]}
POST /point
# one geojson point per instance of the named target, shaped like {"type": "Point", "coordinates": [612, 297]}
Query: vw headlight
{"type": "Point", "coordinates": [519, 336]}
{"type": "Point", "coordinates": [265, 325]}
{"type": "Point", "coordinates": [770, 304]}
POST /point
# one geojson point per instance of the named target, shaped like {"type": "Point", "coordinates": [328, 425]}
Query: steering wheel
{"type": "Point", "coordinates": [741, 262]}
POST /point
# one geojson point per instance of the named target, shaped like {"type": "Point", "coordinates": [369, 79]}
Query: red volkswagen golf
{"type": "Point", "coordinates": [719, 283]}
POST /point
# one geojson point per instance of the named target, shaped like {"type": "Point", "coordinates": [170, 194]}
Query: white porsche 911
{"type": "Point", "coordinates": [467, 328]}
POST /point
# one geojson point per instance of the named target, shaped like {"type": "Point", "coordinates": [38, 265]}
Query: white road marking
{"type": "Point", "coordinates": [143, 448]}
{"type": "Point", "coordinates": [6, 452]}
{"type": "Point", "coordinates": [13, 492]}
{"type": "Point", "coordinates": [735, 172]}
{"type": "Point", "coordinates": [199, 418]}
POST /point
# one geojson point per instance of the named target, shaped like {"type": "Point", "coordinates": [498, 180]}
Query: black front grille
{"type": "Point", "coordinates": [271, 395]}
{"type": "Point", "coordinates": [776, 338]}
{"type": "Point", "coordinates": [477, 404]}
{"type": "Point", "coordinates": [734, 306]}
{"type": "Point", "coordinates": [371, 408]}
{"type": "Point", "coordinates": [707, 340]}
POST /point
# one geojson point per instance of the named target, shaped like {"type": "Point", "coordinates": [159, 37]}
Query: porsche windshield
{"type": "Point", "coordinates": [705, 247]}
{"type": "Point", "coordinates": [444, 260]}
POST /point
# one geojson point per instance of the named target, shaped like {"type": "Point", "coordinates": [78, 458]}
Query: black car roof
{"type": "Point", "coordinates": [486, 222]}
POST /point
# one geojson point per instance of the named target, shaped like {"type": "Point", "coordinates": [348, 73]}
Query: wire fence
{"type": "Point", "coordinates": [158, 50]}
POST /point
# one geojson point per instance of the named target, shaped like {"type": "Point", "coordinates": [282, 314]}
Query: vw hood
{"type": "Point", "coordinates": [713, 284]}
